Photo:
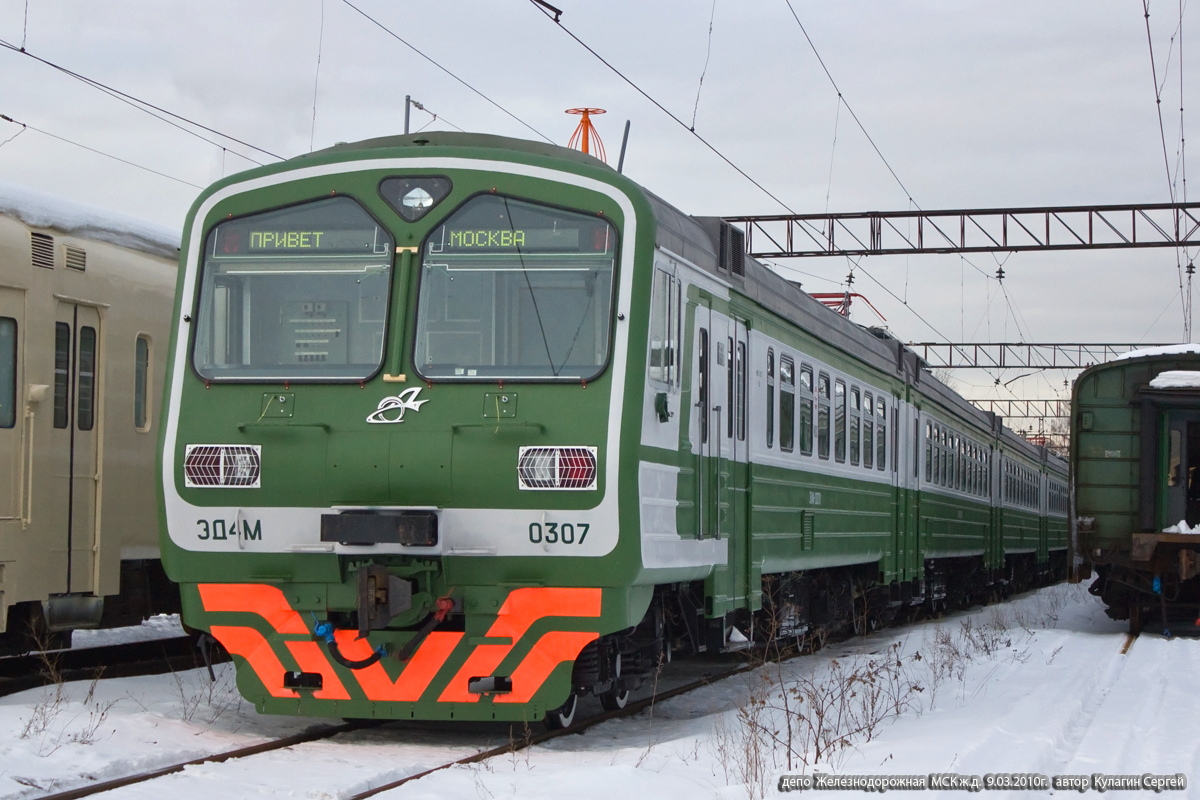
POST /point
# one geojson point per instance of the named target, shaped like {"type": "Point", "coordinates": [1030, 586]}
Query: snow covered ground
{"type": "Point", "coordinates": [1037, 685]}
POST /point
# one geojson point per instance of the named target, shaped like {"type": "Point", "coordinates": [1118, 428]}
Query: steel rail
{"type": "Point", "coordinates": [131, 659]}
{"type": "Point", "coordinates": [241, 752]}
{"type": "Point", "coordinates": [328, 732]}
{"type": "Point", "coordinates": [516, 745]}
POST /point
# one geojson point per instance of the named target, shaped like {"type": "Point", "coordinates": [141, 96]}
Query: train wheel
{"type": "Point", "coordinates": [615, 698]}
{"type": "Point", "coordinates": [563, 716]}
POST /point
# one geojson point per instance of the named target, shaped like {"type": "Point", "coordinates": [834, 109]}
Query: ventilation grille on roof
{"type": "Point", "coordinates": [722, 241]}
{"type": "Point", "coordinates": [43, 250]}
{"type": "Point", "coordinates": [737, 251]}
{"type": "Point", "coordinates": [76, 258]}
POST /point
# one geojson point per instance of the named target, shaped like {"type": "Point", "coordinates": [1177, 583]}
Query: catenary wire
{"type": "Point", "coordinates": [317, 78]}
{"type": "Point", "coordinates": [143, 106]}
{"type": "Point", "coordinates": [1166, 159]}
{"type": "Point", "coordinates": [402, 41]}
{"type": "Point", "coordinates": [660, 106]}
{"type": "Point", "coordinates": [842, 97]}
{"type": "Point", "coordinates": [707, 55]}
{"type": "Point", "coordinates": [24, 125]}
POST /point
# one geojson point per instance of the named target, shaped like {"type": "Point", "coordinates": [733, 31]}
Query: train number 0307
{"type": "Point", "coordinates": [558, 532]}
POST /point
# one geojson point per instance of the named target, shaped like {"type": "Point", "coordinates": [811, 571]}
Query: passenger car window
{"type": "Point", "coordinates": [86, 390]}
{"type": "Point", "coordinates": [855, 423]}
{"type": "Point", "coordinates": [839, 420]}
{"type": "Point", "coordinates": [141, 376]}
{"type": "Point", "coordinates": [62, 374]}
{"type": "Point", "coordinates": [868, 423]}
{"type": "Point", "coordinates": [770, 397]}
{"type": "Point", "coordinates": [823, 415]}
{"type": "Point", "coordinates": [8, 372]}
{"type": "Point", "coordinates": [787, 404]}
{"type": "Point", "coordinates": [806, 410]}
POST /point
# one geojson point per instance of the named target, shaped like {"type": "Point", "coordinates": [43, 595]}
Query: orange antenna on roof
{"type": "Point", "coordinates": [586, 134]}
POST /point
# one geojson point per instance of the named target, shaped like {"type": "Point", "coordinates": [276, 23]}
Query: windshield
{"type": "Point", "coordinates": [299, 293]}
{"type": "Point", "coordinates": [511, 289]}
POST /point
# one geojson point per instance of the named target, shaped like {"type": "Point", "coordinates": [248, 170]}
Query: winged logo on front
{"type": "Point", "coordinates": [391, 409]}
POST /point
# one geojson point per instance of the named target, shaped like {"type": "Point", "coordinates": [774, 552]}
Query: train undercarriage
{"type": "Point", "coordinates": [800, 612]}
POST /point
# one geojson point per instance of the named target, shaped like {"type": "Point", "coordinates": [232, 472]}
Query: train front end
{"type": "Point", "coordinates": [393, 428]}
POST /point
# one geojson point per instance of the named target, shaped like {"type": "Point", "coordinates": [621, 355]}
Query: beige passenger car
{"type": "Point", "coordinates": [85, 308]}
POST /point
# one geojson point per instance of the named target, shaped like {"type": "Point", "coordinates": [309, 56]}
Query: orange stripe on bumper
{"type": "Point", "coordinates": [521, 609]}
{"type": "Point", "coordinates": [418, 672]}
{"type": "Point", "coordinates": [550, 651]}
{"type": "Point", "coordinates": [252, 646]}
{"type": "Point", "coordinates": [253, 598]}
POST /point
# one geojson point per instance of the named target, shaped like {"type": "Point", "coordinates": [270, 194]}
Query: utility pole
{"type": "Point", "coordinates": [407, 106]}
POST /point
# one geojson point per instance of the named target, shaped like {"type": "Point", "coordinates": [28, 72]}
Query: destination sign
{"type": "Point", "coordinates": [233, 242]}
{"type": "Point", "coordinates": [291, 240]}
{"type": "Point", "coordinates": [485, 238]}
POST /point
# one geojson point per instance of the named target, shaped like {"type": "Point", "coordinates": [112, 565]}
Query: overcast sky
{"type": "Point", "coordinates": [973, 104]}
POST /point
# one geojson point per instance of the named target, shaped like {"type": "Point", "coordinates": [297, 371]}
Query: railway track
{"type": "Point", "coordinates": [331, 731]}
{"type": "Point", "coordinates": [154, 657]}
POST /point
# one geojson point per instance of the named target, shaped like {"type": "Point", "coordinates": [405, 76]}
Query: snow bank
{"type": "Point", "coordinates": [1167, 350]}
{"type": "Point", "coordinates": [40, 210]}
{"type": "Point", "coordinates": [1176, 379]}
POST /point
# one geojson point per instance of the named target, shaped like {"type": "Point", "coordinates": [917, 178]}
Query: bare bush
{"type": "Point", "coordinates": [204, 700]}
{"type": "Point", "coordinates": [814, 718]}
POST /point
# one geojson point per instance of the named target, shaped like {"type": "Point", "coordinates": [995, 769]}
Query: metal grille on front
{"type": "Point", "coordinates": [557, 467]}
{"type": "Point", "coordinates": [230, 466]}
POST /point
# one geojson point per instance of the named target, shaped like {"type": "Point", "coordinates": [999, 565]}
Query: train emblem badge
{"type": "Point", "coordinates": [405, 401]}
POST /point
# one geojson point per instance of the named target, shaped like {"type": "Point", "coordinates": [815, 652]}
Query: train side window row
{"type": "Point", "coordinates": [1056, 497]}
{"type": "Point", "coordinates": [858, 418]}
{"type": "Point", "coordinates": [1022, 485]}
{"type": "Point", "coordinates": [954, 461]}
{"type": "Point", "coordinates": [87, 380]}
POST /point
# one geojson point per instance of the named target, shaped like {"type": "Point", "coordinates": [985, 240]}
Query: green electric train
{"type": "Point", "coordinates": [466, 427]}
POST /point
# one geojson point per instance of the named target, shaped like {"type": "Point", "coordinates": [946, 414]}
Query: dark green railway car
{"type": "Point", "coordinates": [463, 427]}
{"type": "Point", "coordinates": [1135, 460]}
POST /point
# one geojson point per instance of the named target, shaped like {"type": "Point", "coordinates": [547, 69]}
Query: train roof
{"type": "Point", "coordinates": [455, 139]}
{"type": "Point", "coordinates": [39, 210]}
{"type": "Point", "coordinates": [694, 239]}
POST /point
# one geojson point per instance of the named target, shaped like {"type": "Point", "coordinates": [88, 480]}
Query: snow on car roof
{"type": "Point", "coordinates": [39, 210]}
{"type": "Point", "coordinates": [1167, 350]}
{"type": "Point", "coordinates": [1176, 379]}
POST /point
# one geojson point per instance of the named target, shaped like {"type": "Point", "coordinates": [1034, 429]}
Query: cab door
{"type": "Point", "coordinates": [710, 361]}
{"type": "Point", "coordinates": [735, 465]}
{"type": "Point", "coordinates": [75, 437]}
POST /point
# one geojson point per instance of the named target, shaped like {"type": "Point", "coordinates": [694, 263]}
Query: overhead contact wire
{"type": "Point", "coordinates": [143, 105]}
{"type": "Point", "coordinates": [24, 125]}
{"type": "Point", "coordinates": [1162, 133]}
{"type": "Point", "coordinates": [660, 106]}
{"type": "Point", "coordinates": [430, 59]}
{"type": "Point", "coordinates": [842, 97]}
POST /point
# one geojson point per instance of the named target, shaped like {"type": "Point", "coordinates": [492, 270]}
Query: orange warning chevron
{"type": "Point", "coordinates": [521, 609]}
